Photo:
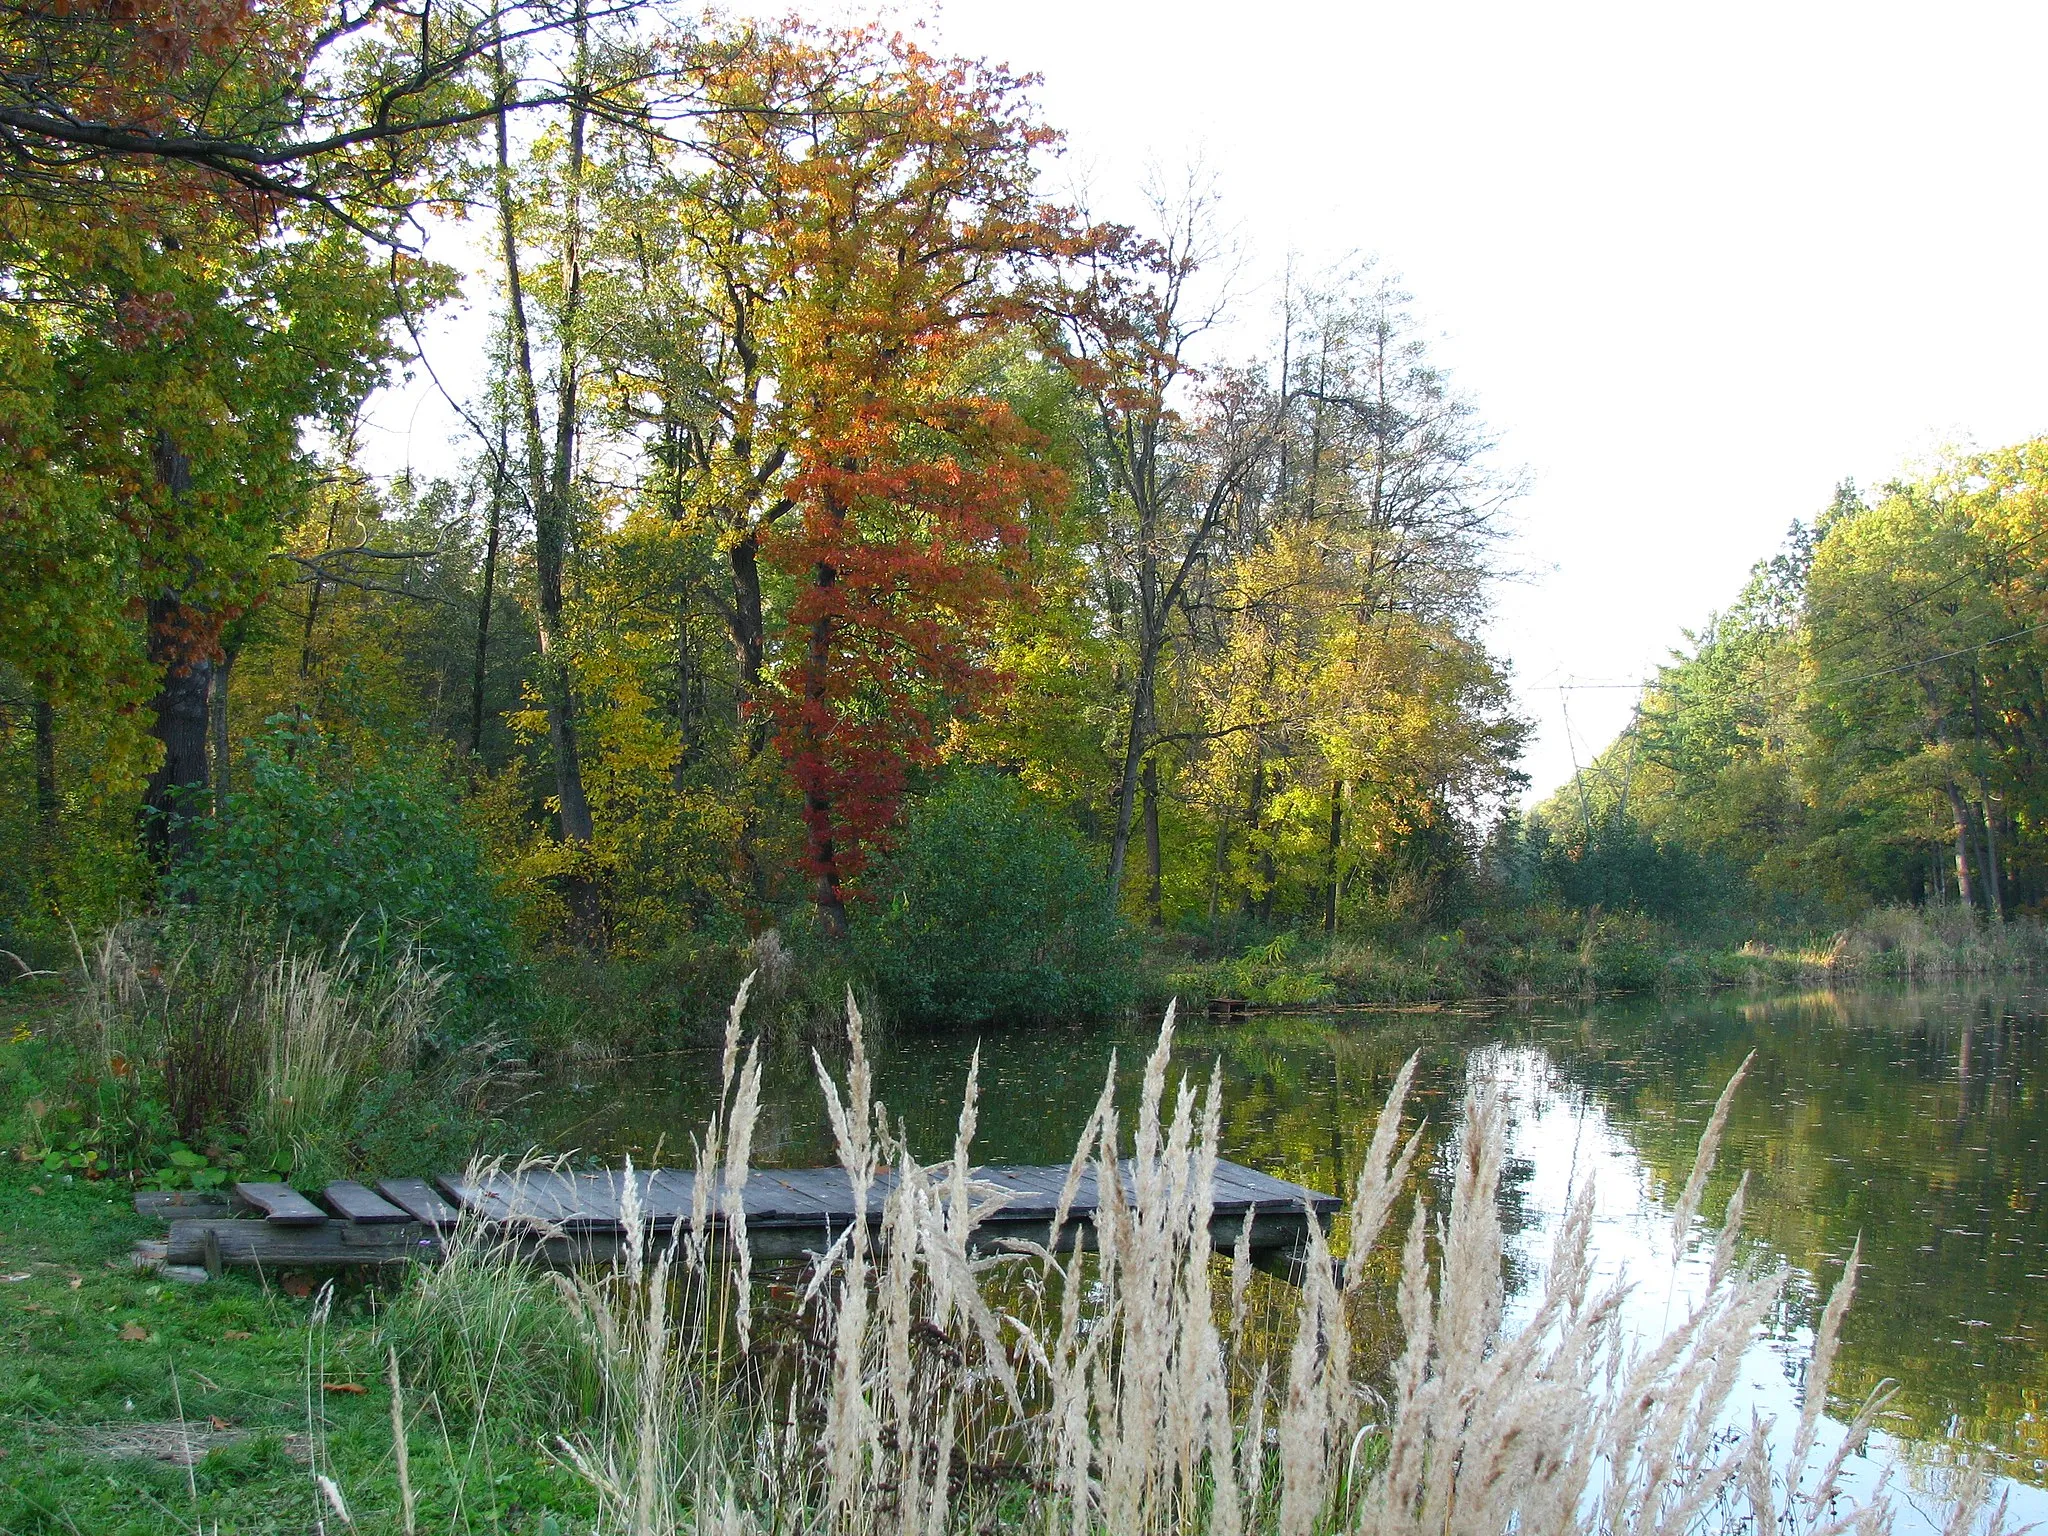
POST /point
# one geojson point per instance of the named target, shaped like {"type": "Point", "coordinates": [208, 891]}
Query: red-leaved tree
{"type": "Point", "coordinates": [908, 237]}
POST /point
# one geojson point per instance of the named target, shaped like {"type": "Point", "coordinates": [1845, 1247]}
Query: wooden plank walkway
{"type": "Point", "coordinates": [566, 1218]}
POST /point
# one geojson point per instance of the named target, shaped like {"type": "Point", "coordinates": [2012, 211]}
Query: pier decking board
{"type": "Point", "coordinates": [564, 1218]}
{"type": "Point", "coordinates": [419, 1200]}
{"type": "Point", "coordinates": [353, 1202]}
{"type": "Point", "coordinates": [281, 1205]}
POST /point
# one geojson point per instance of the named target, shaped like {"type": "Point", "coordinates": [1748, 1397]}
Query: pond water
{"type": "Point", "coordinates": [1915, 1119]}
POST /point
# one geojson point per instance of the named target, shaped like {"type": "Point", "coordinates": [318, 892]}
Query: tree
{"type": "Point", "coordinates": [126, 107]}
{"type": "Point", "coordinates": [151, 475]}
{"type": "Point", "coordinates": [1174, 478]}
{"type": "Point", "coordinates": [801, 352]}
{"type": "Point", "coordinates": [550, 448]}
{"type": "Point", "coordinates": [906, 222]}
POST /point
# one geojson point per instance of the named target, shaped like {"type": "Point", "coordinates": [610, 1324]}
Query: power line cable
{"type": "Point", "coordinates": [1928, 661]}
{"type": "Point", "coordinates": [1928, 596]}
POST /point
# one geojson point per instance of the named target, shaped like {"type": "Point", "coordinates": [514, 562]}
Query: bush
{"type": "Point", "coordinates": [992, 912]}
{"type": "Point", "coordinates": [368, 856]}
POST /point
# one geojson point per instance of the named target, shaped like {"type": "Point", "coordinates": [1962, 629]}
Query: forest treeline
{"type": "Point", "coordinates": [1864, 724]}
{"type": "Point", "coordinates": [852, 540]}
{"type": "Point", "coordinates": [832, 496]}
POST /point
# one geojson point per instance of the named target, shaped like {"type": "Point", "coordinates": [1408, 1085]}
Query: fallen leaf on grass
{"type": "Point", "coordinates": [14, 1279]}
{"type": "Point", "coordinates": [220, 1423]}
{"type": "Point", "coordinates": [236, 1333]}
{"type": "Point", "coordinates": [296, 1285]}
{"type": "Point", "coordinates": [134, 1333]}
{"type": "Point", "coordinates": [75, 1282]}
{"type": "Point", "coordinates": [35, 1189]}
{"type": "Point", "coordinates": [353, 1388]}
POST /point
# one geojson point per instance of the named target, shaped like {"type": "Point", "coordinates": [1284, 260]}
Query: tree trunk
{"type": "Point", "coordinates": [749, 639]}
{"type": "Point", "coordinates": [175, 796]}
{"type": "Point", "coordinates": [49, 823]}
{"type": "Point", "coordinates": [479, 673]}
{"type": "Point", "coordinates": [1993, 883]}
{"type": "Point", "coordinates": [1136, 739]}
{"type": "Point", "coordinates": [1216, 868]}
{"type": "Point", "coordinates": [1153, 869]}
{"type": "Point", "coordinates": [1965, 886]}
{"type": "Point", "coordinates": [1330, 856]}
{"type": "Point", "coordinates": [1251, 905]}
{"type": "Point", "coordinates": [817, 800]}
{"type": "Point", "coordinates": [550, 475]}
{"type": "Point", "coordinates": [175, 799]}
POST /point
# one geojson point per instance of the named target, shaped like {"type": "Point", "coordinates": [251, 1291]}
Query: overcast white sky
{"type": "Point", "coordinates": [1695, 264]}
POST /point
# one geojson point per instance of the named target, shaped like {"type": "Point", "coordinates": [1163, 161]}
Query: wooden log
{"type": "Point", "coordinates": [352, 1202]}
{"type": "Point", "coordinates": [281, 1204]}
{"type": "Point", "coordinates": [331, 1245]}
{"type": "Point", "coordinates": [419, 1200]}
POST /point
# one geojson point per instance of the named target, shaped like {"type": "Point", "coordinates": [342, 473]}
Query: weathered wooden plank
{"type": "Point", "coordinates": [812, 1196]}
{"type": "Point", "coordinates": [829, 1186]}
{"type": "Point", "coordinates": [772, 1198]}
{"type": "Point", "coordinates": [548, 1197]}
{"type": "Point", "coordinates": [669, 1193]}
{"type": "Point", "coordinates": [1028, 1191]}
{"type": "Point", "coordinates": [419, 1200]}
{"type": "Point", "coordinates": [354, 1202]}
{"type": "Point", "coordinates": [665, 1196]}
{"type": "Point", "coordinates": [281, 1205]}
{"type": "Point", "coordinates": [1252, 1184]}
{"type": "Point", "coordinates": [1234, 1189]}
{"type": "Point", "coordinates": [590, 1200]}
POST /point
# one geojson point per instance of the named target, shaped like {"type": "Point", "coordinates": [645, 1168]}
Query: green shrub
{"type": "Point", "coordinates": [992, 912]}
{"type": "Point", "coordinates": [368, 856]}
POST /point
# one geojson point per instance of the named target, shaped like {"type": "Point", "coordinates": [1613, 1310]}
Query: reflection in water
{"type": "Point", "coordinates": [1913, 1119]}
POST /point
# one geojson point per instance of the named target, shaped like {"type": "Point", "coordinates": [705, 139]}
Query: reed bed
{"type": "Point", "coordinates": [911, 1382]}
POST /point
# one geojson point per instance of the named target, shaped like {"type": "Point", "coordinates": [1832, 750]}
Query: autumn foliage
{"type": "Point", "coordinates": [910, 240]}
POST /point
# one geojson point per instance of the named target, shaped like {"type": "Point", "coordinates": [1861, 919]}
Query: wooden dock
{"type": "Point", "coordinates": [570, 1218]}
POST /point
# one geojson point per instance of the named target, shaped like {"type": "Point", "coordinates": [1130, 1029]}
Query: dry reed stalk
{"type": "Point", "coordinates": [851, 1434]}
{"type": "Point", "coordinates": [1379, 1184]}
{"type": "Point", "coordinates": [1703, 1163]}
{"type": "Point", "coordinates": [401, 1449]}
